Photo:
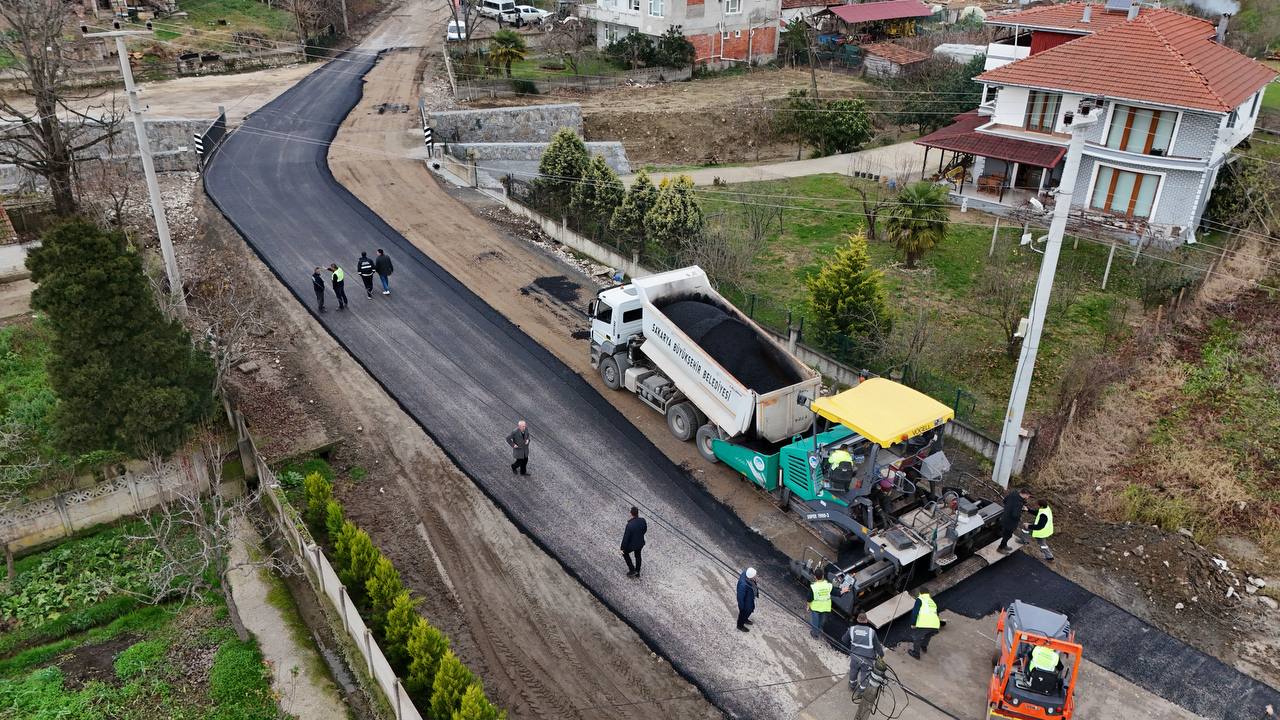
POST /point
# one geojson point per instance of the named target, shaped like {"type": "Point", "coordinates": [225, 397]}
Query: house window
{"type": "Point", "coordinates": [724, 35]}
{"type": "Point", "coordinates": [635, 5]}
{"type": "Point", "coordinates": [1257, 98]}
{"type": "Point", "coordinates": [1122, 192]}
{"type": "Point", "coordinates": [1141, 130]}
{"type": "Point", "coordinates": [1233, 117]}
{"type": "Point", "coordinates": [737, 33]}
{"type": "Point", "coordinates": [655, 8]}
{"type": "Point", "coordinates": [732, 7]}
{"type": "Point", "coordinates": [1042, 111]}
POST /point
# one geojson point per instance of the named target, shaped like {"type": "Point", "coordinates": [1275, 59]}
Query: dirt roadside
{"type": "Point", "coordinates": [506, 270]}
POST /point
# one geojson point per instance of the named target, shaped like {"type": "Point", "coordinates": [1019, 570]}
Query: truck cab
{"type": "Point", "coordinates": [616, 317]}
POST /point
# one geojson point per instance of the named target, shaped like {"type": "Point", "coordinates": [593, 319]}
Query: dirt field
{"type": "Point", "coordinates": [685, 122]}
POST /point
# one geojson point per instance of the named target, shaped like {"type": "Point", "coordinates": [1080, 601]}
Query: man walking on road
{"type": "Point", "coordinates": [1011, 518]}
{"type": "Point", "coordinates": [1042, 529]}
{"type": "Point", "coordinates": [519, 442]}
{"type": "Point", "coordinates": [382, 265]}
{"type": "Point", "coordinates": [317, 283]}
{"type": "Point", "coordinates": [925, 623]}
{"type": "Point", "coordinates": [339, 278]}
{"type": "Point", "coordinates": [633, 542]}
{"type": "Point", "coordinates": [364, 268]}
{"type": "Point", "coordinates": [748, 591]}
{"type": "Point", "coordinates": [864, 650]}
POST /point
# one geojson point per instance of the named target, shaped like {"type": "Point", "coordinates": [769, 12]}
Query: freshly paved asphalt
{"type": "Point", "coordinates": [467, 375]}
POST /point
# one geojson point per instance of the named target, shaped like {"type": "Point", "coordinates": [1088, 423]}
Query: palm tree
{"type": "Point", "coordinates": [917, 221]}
{"type": "Point", "coordinates": [507, 47]}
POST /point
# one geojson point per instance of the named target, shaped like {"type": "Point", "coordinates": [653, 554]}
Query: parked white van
{"type": "Point", "coordinates": [456, 31]}
{"type": "Point", "coordinates": [505, 9]}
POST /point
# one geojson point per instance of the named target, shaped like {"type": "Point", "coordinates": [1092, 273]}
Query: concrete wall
{"type": "Point", "coordinates": [530, 124]}
{"type": "Point", "coordinates": [521, 159]}
{"type": "Point", "coordinates": [501, 87]}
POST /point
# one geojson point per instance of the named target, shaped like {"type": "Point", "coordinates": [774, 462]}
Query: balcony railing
{"type": "Point", "coordinates": [608, 14]}
{"type": "Point", "coordinates": [1001, 54]}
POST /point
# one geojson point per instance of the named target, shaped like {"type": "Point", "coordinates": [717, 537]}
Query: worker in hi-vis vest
{"type": "Point", "coordinates": [819, 602]}
{"type": "Point", "coordinates": [925, 623]}
{"type": "Point", "coordinates": [1042, 529]}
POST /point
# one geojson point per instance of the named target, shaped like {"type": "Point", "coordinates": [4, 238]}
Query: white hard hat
{"type": "Point", "coordinates": [751, 572]}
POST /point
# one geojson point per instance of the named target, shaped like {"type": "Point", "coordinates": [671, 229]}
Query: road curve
{"type": "Point", "coordinates": [467, 375]}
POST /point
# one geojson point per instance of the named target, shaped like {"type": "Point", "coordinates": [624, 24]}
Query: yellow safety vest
{"type": "Point", "coordinates": [927, 618]}
{"type": "Point", "coordinates": [839, 457]}
{"type": "Point", "coordinates": [1043, 658]}
{"type": "Point", "coordinates": [821, 596]}
{"type": "Point", "coordinates": [339, 275]}
{"type": "Point", "coordinates": [1046, 531]}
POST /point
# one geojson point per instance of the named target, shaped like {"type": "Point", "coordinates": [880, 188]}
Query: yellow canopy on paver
{"type": "Point", "coordinates": [884, 411]}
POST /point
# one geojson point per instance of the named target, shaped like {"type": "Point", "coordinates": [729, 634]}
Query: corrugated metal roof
{"type": "Point", "coordinates": [886, 10]}
{"type": "Point", "coordinates": [963, 136]}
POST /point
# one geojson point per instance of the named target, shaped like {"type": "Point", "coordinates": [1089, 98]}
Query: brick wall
{"type": "Point", "coordinates": [762, 45]}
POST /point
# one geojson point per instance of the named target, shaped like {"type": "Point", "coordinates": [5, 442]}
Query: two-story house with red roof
{"type": "Point", "coordinates": [1176, 101]}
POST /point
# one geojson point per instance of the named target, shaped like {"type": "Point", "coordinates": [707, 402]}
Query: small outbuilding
{"type": "Point", "coordinates": [887, 59]}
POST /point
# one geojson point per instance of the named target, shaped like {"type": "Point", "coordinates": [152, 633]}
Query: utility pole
{"type": "Point", "coordinates": [1085, 116]}
{"type": "Point", "coordinates": [148, 165]}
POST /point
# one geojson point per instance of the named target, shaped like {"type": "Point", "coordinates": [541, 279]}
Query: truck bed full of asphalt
{"type": "Point", "coordinates": [735, 345]}
{"type": "Point", "coordinates": [467, 375]}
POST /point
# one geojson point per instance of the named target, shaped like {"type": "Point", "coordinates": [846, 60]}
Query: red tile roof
{"type": "Point", "coordinates": [962, 136]}
{"type": "Point", "coordinates": [885, 10]}
{"type": "Point", "coordinates": [1067, 17]}
{"type": "Point", "coordinates": [895, 53]}
{"type": "Point", "coordinates": [1162, 57]}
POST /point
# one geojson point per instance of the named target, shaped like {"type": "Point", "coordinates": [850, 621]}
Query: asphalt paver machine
{"type": "Point", "coordinates": [1021, 689]}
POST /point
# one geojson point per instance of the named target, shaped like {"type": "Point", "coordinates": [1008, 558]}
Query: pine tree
{"type": "Point", "coordinates": [382, 587]}
{"type": "Point", "coordinates": [426, 649]}
{"type": "Point", "coordinates": [451, 683]}
{"type": "Point", "coordinates": [362, 556]}
{"type": "Point", "coordinates": [342, 546]}
{"type": "Point", "coordinates": [850, 315]}
{"type": "Point", "coordinates": [475, 706]}
{"type": "Point", "coordinates": [127, 378]}
{"type": "Point", "coordinates": [333, 520]}
{"type": "Point", "coordinates": [627, 224]}
{"type": "Point", "coordinates": [319, 493]}
{"type": "Point", "coordinates": [917, 221]}
{"type": "Point", "coordinates": [401, 618]}
{"type": "Point", "coordinates": [676, 217]}
{"type": "Point", "coordinates": [596, 197]}
{"type": "Point", "coordinates": [562, 166]}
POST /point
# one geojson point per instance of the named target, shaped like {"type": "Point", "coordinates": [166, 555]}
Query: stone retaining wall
{"type": "Point", "coordinates": [531, 124]}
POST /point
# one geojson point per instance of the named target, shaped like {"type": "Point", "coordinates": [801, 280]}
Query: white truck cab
{"type": "Point", "coordinates": [616, 317]}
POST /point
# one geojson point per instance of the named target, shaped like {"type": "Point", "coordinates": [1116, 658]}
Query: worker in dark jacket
{"type": "Point", "coordinates": [519, 442]}
{"type": "Point", "coordinates": [633, 542]}
{"type": "Point", "coordinates": [339, 279]}
{"type": "Point", "coordinates": [748, 591]}
{"type": "Point", "coordinates": [864, 649]}
{"type": "Point", "coordinates": [317, 283]}
{"type": "Point", "coordinates": [364, 268]}
{"type": "Point", "coordinates": [382, 265]}
{"type": "Point", "coordinates": [1011, 518]}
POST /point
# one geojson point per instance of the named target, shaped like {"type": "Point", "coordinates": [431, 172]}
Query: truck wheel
{"type": "Point", "coordinates": [706, 434]}
{"type": "Point", "coordinates": [682, 419]}
{"type": "Point", "coordinates": [609, 373]}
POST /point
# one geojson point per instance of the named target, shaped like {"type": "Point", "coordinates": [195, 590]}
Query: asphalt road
{"type": "Point", "coordinates": [467, 375]}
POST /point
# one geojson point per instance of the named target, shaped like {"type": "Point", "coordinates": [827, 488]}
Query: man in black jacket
{"type": "Point", "coordinates": [519, 442]}
{"type": "Point", "coordinates": [364, 268]}
{"type": "Point", "coordinates": [382, 265]}
{"type": "Point", "coordinates": [633, 542]}
{"type": "Point", "coordinates": [1014, 502]}
{"type": "Point", "coordinates": [317, 283]}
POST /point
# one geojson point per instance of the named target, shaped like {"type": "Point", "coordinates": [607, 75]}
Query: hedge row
{"type": "Point", "coordinates": [419, 653]}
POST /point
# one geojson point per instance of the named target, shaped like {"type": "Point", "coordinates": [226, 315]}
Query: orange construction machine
{"type": "Point", "coordinates": [1036, 663]}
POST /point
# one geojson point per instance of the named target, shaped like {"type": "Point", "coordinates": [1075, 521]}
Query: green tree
{"type": "Point", "coordinates": [362, 556]}
{"type": "Point", "coordinates": [333, 520]}
{"type": "Point", "coordinates": [793, 44]}
{"type": "Point", "coordinates": [673, 49]}
{"type": "Point", "coordinates": [426, 648]}
{"type": "Point", "coordinates": [596, 197]}
{"type": "Point", "coordinates": [830, 127]}
{"type": "Point", "coordinates": [847, 297]}
{"type": "Point", "coordinates": [627, 224]}
{"type": "Point", "coordinates": [562, 166]}
{"type": "Point", "coordinates": [319, 493]}
{"type": "Point", "coordinates": [127, 378]}
{"type": "Point", "coordinates": [938, 91]}
{"type": "Point", "coordinates": [634, 50]}
{"type": "Point", "coordinates": [475, 706]}
{"type": "Point", "coordinates": [450, 685]}
{"type": "Point", "coordinates": [676, 217]}
{"type": "Point", "coordinates": [342, 546]}
{"type": "Point", "coordinates": [401, 619]}
{"type": "Point", "coordinates": [917, 221]}
{"type": "Point", "coordinates": [382, 587]}
{"type": "Point", "coordinates": [507, 46]}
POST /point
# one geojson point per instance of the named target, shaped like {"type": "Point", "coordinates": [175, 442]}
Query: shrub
{"type": "Point", "coordinates": [140, 658]}
{"type": "Point", "coordinates": [561, 167]}
{"type": "Point", "coordinates": [848, 301]}
{"type": "Point", "coordinates": [596, 197]}
{"type": "Point", "coordinates": [382, 588]}
{"type": "Point", "coordinates": [627, 224]}
{"type": "Point", "coordinates": [673, 49]}
{"type": "Point", "coordinates": [362, 556]}
{"type": "Point", "coordinates": [319, 492]}
{"type": "Point", "coordinates": [401, 619]}
{"type": "Point", "coordinates": [524, 87]}
{"type": "Point", "coordinates": [830, 127]}
{"type": "Point", "coordinates": [475, 706]}
{"type": "Point", "coordinates": [426, 649]}
{"type": "Point", "coordinates": [633, 50]}
{"type": "Point", "coordinates": [676, 217]}
{"type": "Point", "coordinates": [333, 520]}
{"type": "Point", "coordinates": [451, 683]}
{"type": "Point", "coordinates": [342, 546]}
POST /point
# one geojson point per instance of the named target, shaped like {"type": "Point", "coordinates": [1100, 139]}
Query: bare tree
{"type": "Point", "coordinates": [232, 315]}
{"type": "Point", "coordinates": [726, 255]}
{"type": "Point", "coordinates": [311, 16]}
{"type": "Point", "coordinates": [872, 204]}
{"type": "Point", "coordinates": [40, 141]}
{"type": "Point", "coordinates": [566, 38]}
{"type": "Point", "coordinates": [1003, 295]}
{"type": "Point", "coordinates": [20, 465]}
{"type": "Point", "coordinates": [105, 182]}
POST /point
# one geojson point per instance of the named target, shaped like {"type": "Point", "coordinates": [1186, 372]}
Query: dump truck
{"type": "Point", "coordinates": [689, 354]}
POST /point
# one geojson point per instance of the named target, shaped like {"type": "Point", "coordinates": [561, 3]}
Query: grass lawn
{"type": "Point", "coordinates": [200, 29]}
{"type": "Point", "coordinates": [72, 651]}
{"type": "Point", "coordinates": [965, 350]}
{"type": "Point", "coordinates": [1271, 98]}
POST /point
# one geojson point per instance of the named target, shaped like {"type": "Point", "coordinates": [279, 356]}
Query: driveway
{"type": "Point", "coordinates": [900, 160]}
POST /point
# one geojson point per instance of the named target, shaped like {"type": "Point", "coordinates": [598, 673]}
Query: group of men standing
{"type": "Point", "coordinates": [366, 268]}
